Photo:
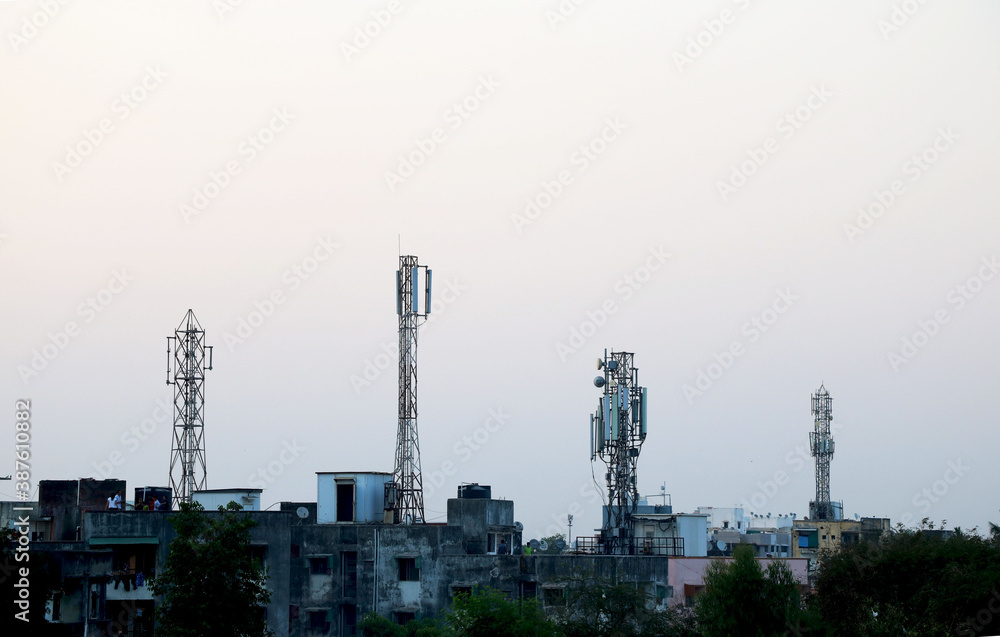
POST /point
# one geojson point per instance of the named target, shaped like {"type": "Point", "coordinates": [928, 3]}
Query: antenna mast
{"type": "Point", "coordinates": [186, 372]}
{"type": "Point", "coordinates": [405, 496]}
{"type": "Point", "coordinates": [821, 444]}
{"type": "Point", "coordinates": [618, 430]}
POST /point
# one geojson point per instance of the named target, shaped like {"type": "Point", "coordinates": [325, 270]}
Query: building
{"type": "Point", "coordinates": [330, 562]}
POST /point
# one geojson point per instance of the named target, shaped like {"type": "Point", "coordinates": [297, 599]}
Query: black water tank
{"type": "Point", "coordinates": [474, 491]}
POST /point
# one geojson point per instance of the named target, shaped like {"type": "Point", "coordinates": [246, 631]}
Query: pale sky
{"type": "Point", "coordinates": [692, 170]}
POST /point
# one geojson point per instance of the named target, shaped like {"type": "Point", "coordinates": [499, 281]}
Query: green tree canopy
{"type": "Point", "coordinates": [914, 582]}
{"type": "Point", "coordinates": [210, 584]}
{"type": "Point", "coordinates": [743, 599]}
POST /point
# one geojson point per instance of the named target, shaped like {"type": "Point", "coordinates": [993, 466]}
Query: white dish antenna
{"type": "Point", "coordinates": [302, 512]}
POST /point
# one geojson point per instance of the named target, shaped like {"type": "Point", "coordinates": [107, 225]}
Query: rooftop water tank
{"type": "Point", "coordinates": [474, 491]}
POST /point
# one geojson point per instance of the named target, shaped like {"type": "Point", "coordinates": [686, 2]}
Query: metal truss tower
{"type": "Point", "coordinates": [618, 429]}
{"type": "Point", "coordinates": [821, 444]}
{"type": "Point", "coordinates": [186, 372]}
{"type": "Point", "coordinates": [405, 496]}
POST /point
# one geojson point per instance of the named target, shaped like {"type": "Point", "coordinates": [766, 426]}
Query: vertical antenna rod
{"type": "Point", "coordinates": [821, 445]}
{"type": "Point", "coordinates": [406, 494]}
{"type": "Point", "coordinates": [186, 372]}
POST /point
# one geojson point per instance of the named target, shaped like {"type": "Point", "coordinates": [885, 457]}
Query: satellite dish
{"type": "Point", "coordinates": [518, 526]}
{"type": "Point", "coordinates": [722, 546]}
{"type": "Point", "coordinates": [302, 512]}
{"type": "Point", "coordinates": [599, 381]}
{"type": "Point", "coordinates": [534, 544]}
{"type": "Point", "coordinates": [495, 572]}
{"type": "Point", "coordinates": [543, 545]}
{"type": "Point", "coordinates": [560, 545]}
{"type": "Point", "coordinates": [600, 363]}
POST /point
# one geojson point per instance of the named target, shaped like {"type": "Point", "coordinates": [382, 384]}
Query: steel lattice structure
{"type": "Point", "coordinates": [821, 445]}
{"type": "Point", "coordinates": [406, 494]}
{"type": "Point", "coordinates": [186, 372]}
{"type": "Point", "coordinates": [619, 429]}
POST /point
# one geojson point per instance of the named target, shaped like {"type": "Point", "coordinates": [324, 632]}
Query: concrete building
{"type": "Point", "coordinates": [811, 538]}
{"type": "Point", "coordinates": [323, 576]}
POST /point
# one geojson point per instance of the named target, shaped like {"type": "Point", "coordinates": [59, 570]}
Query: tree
{"type": "Point", "coordinates": [741, 598]}
{"type": "Point", "coordinates": [210, 585]}
{"type": "Point", "coordinates": [914, 582]}
{"type": "Point", "coordinates": [489, 613]}
{"type": "Point", "coordinates": [598, 608]}
{"type": "Point", "coordinates": [551, 540]}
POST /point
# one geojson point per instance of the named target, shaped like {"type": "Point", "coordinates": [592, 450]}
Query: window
{"type": "Point", "coordinates": [345, 502]}
{"type": "Point", "coordinates": [318, 620]}
{"type": "Point", "coordinates": [319, 565]}
{"type": "Point", "coordinates": [409, 569]}
{"type": "Point", "coordinates": [529, 590]}
{"type": "Point", "coordinates": [553, 596]}
{"type": "Point", "coordinates": [348, 619]}
{"type": "Point", "coordinates": [460, 589]}
{"type": "Point", "coordinates": [404, 616]}
{"type": "Point", "coordinates": [349, 573]}
{"type": "Point", "coordinates": [257, 554]}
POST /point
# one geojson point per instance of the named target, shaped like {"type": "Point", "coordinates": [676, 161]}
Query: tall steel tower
{"type": "Point", "coordinates": [405, 496]}
{"type": "Point", "coordinates": [186, 372]}
{"type": "Point", "coordinates": [821, 444]}
{"type": "Point", "coordinates": [618, 429]}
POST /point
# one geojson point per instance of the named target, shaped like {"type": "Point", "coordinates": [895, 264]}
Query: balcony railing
{"type": "Point", "coordinates": [668, 546]}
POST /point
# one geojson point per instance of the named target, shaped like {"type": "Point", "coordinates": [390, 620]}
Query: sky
{"type": "Point", "coordinates": [756, 198]}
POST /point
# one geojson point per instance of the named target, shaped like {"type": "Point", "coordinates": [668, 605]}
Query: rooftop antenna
{"type": "Point", "coordinates": [821, 445]}
{"type": "Point", "coordinates": [618, 429]}
{"type": "Point", "coordinates": [405, 496]}
{"type": "Point", "coordinates": [186, 372]}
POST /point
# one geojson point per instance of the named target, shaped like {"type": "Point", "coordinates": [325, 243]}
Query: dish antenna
{"type": "Point", "coordinates": [518, 526]}
{"type": "Point", "coordinates": [560, 545]}
{"type": "Point", "coordinates": [534, 544]}
{"type": "Point", "coordinates": [495, 572]}
{"type": "Point", "coordinates": [543, 545]}
{"type": "Point", "coordinates": [302, 512]}
{"type": "Point", "coordinates": [722, 546]}
{"type": "Point", "coordinates": [599, 381]}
